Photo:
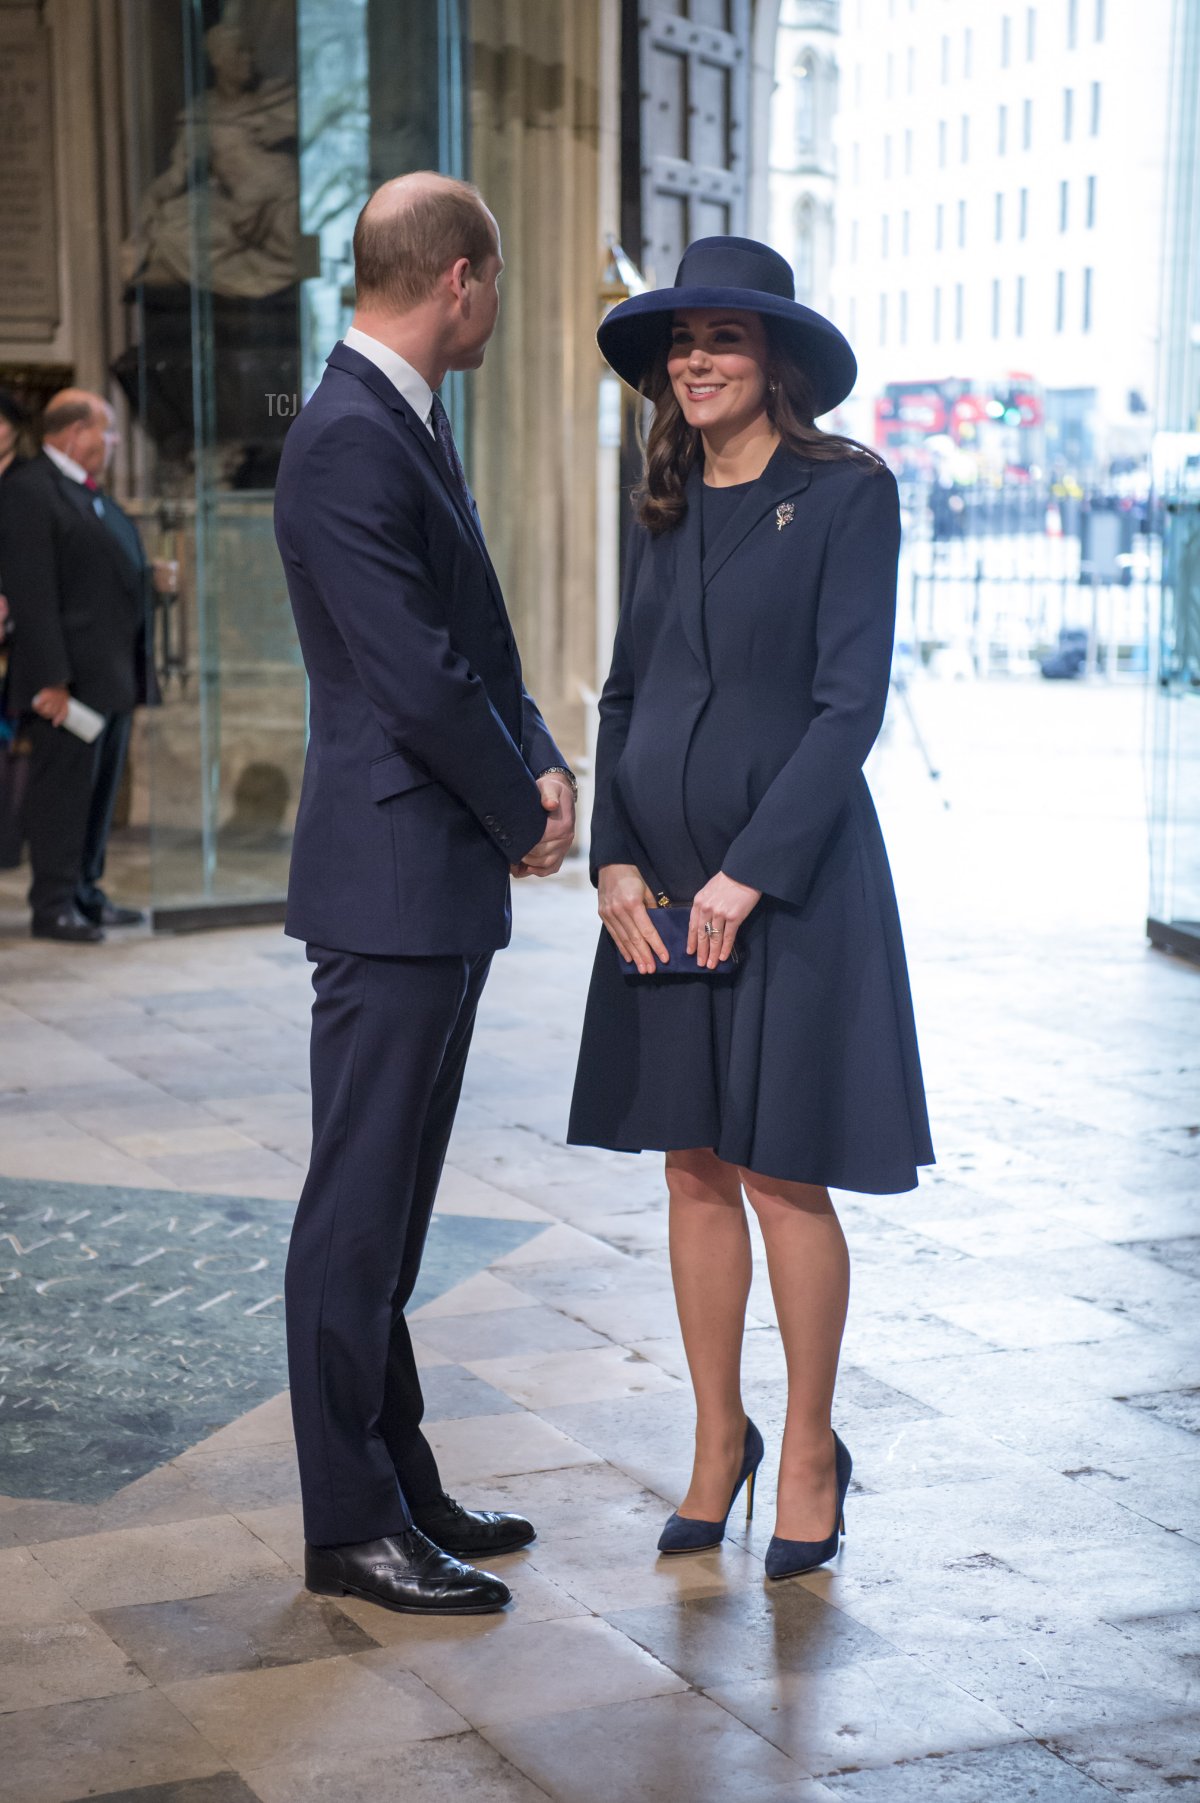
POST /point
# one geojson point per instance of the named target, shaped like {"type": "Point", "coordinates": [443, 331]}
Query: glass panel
{"type": "Point", "coordinates": [1175, 822]}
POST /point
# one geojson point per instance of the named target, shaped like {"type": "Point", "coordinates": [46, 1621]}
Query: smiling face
{"type": "Point", "coordinates": [717, 365]}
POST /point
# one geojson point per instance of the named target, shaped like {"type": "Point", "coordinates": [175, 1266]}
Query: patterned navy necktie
{"type": "Point", "coordinates": [444, 434]}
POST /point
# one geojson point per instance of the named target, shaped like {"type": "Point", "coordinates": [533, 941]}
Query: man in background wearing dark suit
{"type": "Point", "coordinates": [79, 593]}
{"type": "Point", "coordinates": [430, 776]}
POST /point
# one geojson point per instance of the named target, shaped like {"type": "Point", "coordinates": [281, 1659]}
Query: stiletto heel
{"type": "Point", "coordinates": [683, 1534]}
{"type": "Point", "coordinates": [788, 1558]}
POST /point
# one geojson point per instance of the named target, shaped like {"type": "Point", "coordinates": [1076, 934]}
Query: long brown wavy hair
{"type": "Point", "coordinates": [673, 448]}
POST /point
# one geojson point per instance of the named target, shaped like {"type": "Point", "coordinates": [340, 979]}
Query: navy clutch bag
{"type": "Point", "coordinates": [671, 923]}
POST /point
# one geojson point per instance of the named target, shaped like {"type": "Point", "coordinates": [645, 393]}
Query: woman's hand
{"type": "Point", "coordinates": [625, 909]}
{"type": "Point", "coordinates": [724, 905]}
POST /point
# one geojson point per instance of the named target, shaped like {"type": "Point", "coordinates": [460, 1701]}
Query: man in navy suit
{"type": "Point", "coordinates": [430, 777]}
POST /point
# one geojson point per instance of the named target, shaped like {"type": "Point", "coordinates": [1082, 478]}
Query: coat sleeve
{"type": "Point", "coordinates": [609, 835]}
{"type": "Point", "coordinates": [29, 578]}
{"type": "Point", "coordinates": [778, 849]}
{"type": "Point", "coordinates": [537, 746]}
{"type": "Point", "coordinates": [362, 542]}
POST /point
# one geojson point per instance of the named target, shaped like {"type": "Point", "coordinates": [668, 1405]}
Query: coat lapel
{"type": "Point", "coordinates": [344, 357]}
{"type": "Point", "coordinates": [784, 477]}
{"type": "Point", "coordinates": [689, 582]}
{"type": "Point", "coordinates": [84, 502]}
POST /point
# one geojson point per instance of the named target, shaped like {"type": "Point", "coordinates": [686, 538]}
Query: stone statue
{"type": "Point", "coordinates": [252, 223]}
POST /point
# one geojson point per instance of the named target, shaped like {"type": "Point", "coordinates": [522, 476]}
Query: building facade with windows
{"type": "Point", "coordinates": [802, 174]}
{"type": "Point", "coordinates": [999, 208]}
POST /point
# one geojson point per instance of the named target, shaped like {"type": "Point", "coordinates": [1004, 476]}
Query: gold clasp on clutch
{"type": "Point", "coordinates": [663, 900]}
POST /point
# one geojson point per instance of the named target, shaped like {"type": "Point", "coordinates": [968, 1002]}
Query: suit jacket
{"type": "Point", "coordinates": [78, 589]}
{"type": "Point", "coordinates": [419, 782]}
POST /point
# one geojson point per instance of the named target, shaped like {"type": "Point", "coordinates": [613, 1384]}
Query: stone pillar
{"type": "Point", "coordinates": [535, 150]}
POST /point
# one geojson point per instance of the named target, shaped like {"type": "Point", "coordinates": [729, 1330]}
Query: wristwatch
{"type": "Point", "coordinates": [561, 770]}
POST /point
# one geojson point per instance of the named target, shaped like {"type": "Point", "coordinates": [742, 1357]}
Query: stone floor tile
{"type": "Point", "coordinates": [50, 1662]}
{"type": "Point", "coordinates": [488, 1446]}
{"type": "Point", "coordinates": [28, 1594]}
{"type": "Point", "coordinates": [536, 1598]}
{"type": "Point", "coordinates": [505, 1332]}
{"type": "Point", "coordinates": [882, 1712]}
{"type": "Point", "coordinates": [658, 1750]}
{"type": "Point", "coordinates": [224, 1787]}
{"type": "Point", "coordinates": [452, 1392]}
{"type": "Point", "coordinates": [113, 1745]}
{"type": "Point", "coordinates": [749, 1633]}
{"type": "Point", "coordinates": [314, 1715]}
{"type": "Point", "coordinates": [556, 1245]}
{"type": "Point", "coordinates": [481, 1294]}
{"type": "Point", "coordinates": [1026, 1771]}
{"type": "Point", "coordinates": [245, 1477]}
{"type": "Point", "coordinates": [1143, 1762]}
{"type": "Point", "coordinates": [1023, 1321]}
{"type": "Point", "coordinates": [281, 1529]}
{"type": "Point", "coordinates": [266, 1425]}
{"type": "Point", "coordinates": [460, 1193]}
{"type": "Point", "coordinates": [515, 1670]}
{"type": "Point", "coordinates": [157, 1564]}
{"type": "Point", "coordinates": [162, 1495]}
{"type": "Point", "coordinates": [547, 1379]}
{"type": "Point", "coordinates": [261, 1624]}
{"type": "Point", "coordinates": [462, 1768]}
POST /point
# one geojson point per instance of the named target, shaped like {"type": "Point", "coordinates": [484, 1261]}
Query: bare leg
{"type": "Point", "coordinates": [711, 1267]}
{"type": "Point", "coordinates": [810, 1281]}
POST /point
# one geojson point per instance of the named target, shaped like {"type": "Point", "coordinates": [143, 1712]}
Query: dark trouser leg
{"type": "Point", "coordinates": [110, 751]}
{"type": "Point", "coordinates": [404, 1405]}
{"type": "Point", "coordinates": [56, 813]}
{"type": "Point", "coordinates": [381, 1030]}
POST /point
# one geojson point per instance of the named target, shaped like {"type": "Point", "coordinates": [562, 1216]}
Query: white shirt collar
{"type": "Point", "coordinates": [66, 464]}
{"type": "Point", "coordinates": [407, 381]}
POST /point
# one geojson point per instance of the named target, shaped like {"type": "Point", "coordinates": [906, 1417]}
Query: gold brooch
{"type": "Point", "coordinates": [785, 513]}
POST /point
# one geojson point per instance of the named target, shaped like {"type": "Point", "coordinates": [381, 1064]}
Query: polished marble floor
{"type": "Point", "coordinates": [1014, 1614]}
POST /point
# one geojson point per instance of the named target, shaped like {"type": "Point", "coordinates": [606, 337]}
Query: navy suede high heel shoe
{"type": "Point", "coordinates": [788, 1558]}
{"type": "Point", "coordinates": [683, 1535]}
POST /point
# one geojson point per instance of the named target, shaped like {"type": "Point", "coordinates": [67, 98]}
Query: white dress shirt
{"type": "Point", "coordinates": [407, 381]}
{"type": "Point", "coordinates": [66, 464]}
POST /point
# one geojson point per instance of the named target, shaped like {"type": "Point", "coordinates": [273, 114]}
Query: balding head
{"type": "Point", "coordinates": [412, 231]}
{"type": "Point", "coordinates": [79, 424]}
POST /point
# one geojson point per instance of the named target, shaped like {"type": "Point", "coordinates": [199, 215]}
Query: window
{"type": "Point", "coordinates": [883, 319]}
{"type": "Point", "coordinates": [910, 71]}
{"type": "Point", "coordinates": [941, 143]}
{"type": "Point", "coordinates": [1023, 214]}
{"type": "Point", "coordinates": [887, 155]}
{"type": "Point", "coordinates": [805, 253]}
{"type": "Point", "coordinates": [1068, 114]}
{"type": "Point", "coordinates": [1005, 41]}
{"type": "Point", "coordinates": [1087, 300]}
{"type": "Point", "coordinates": [889, 79]}
{"type": "Point", "coordinates": [945, 59]}
{"type": "Point", "coordinates": [999, 217]}
{"type": "Point", "coordinates": [937, 316]}
{"type": "Point", "coordinates": [905, 227]}
{"type": "Point", "coordinates": [996, 307]}
{"type": "Point", "coordinates": [1002, 131]}
{"type": "Point", "coordinates": [1095, 122]}
{"type": "Point", "coordinates": [883, 236]}
{"type": "Point", "coordinates": [853, 319]}
{"type": "Point", "coordinates": [854, 240]}
{"type": "Point", "coordinates": [1072, 23]}
{"type": "Point", "coordinates": [1060, 300]}
{"type": "Point", "coordinates": [804, 87]}
{"type": "Point", "coordinates": [908, 152]}
{"type": "Point", "coordinates": [939, 225]}
{"type": "Point", "coordinates": [904, 316]}
{"type": "Point", "coordinates": [1026, 124]}
{"type": "Point", "coordinates": [855, 163]}
{"type": "Point", "coordinates": [962, 225]}
{"type": "Point", "coordinates": [858, 84]}
{"type": "Point", "coordinates": [1099, 31]}
{"type": "Point", "coordinates": [1064, 205]}
{"type": "Point", "coordinates": [1030, 32]}
{"type": "Point", "coordinates": [968, 46]}
{"type": "Point", "coordinates": [1090, 213]}
{"type": "Point", "coordinates": [1019, 309]}
{"type": "Point", "coordinates": [964, 138]}
{"type": "Point", "coordinates": [959, 310]}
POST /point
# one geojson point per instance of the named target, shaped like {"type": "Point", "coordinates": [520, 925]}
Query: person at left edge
{"type": "Point", "coordinates": [80, 592]}
{"type": "Point", "coordinates": [430, 776]}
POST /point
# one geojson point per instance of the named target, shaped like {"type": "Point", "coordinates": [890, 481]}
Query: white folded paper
{"type": "Point", "coordinates": [83, 721]}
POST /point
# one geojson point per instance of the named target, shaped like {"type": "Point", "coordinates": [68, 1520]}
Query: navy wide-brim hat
{"type": "Point", "coordinates": [741, 274]}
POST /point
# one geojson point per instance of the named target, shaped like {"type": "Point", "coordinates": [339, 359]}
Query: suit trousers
{"type": "Point", "coordinates": [389, 1045]}
{"type": "Point", "coordinates": [61, 778]}
{"type": "Point", "coordinates": [111, 750]}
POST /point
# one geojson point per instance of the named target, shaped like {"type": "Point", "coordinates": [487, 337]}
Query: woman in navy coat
{"type": "Point", "coordinates": [748, 685]}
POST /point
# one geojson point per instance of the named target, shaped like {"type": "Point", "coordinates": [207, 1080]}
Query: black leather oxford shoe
{"type": "Point", "coordinates": [105, 913]}
{"type": "Point", "coordinates": [472, 1532]}
{"type": "Point", "coordinates": [67, 925]}
{"type": "Point", "coordinates": [405, 1572]}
